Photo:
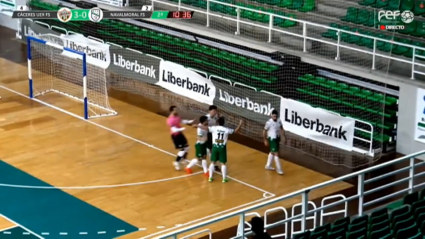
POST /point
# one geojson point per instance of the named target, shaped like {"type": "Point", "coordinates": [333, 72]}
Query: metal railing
{"type": "Point", "coordinates": [304, 193]}
{"type": "Point", "coordinates": [304, 36]}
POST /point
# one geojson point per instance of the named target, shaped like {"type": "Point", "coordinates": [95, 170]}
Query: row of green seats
{"type": "Point", "coordinates": [354, 38]}
{"type": "Point", "coordinates": [344, 88]}
{"type": "Point", "coordinates": [416, 6]}
{"type": "Point", "coordinates": [223, 55]}
{"type": "Point", "coordinates": [299, 5]}
{"type": "Point", "coordinates": [175, 41]}
{"type": "Point", "coordinates": [346, 104]}
{"type": "Point", "coordinates": [188, 56]}
{"type": "Point", "coordinates": [44, 5]}
{"type": "Point", "coordinates": [253, 16]}
{"type": "Point", "coordinates": [405, 222]}
{"type": "Point", "coordinates": [370, 19]}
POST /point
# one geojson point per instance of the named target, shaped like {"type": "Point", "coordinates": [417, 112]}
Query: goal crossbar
{"type": "Point", "coordinates": [78, 55]}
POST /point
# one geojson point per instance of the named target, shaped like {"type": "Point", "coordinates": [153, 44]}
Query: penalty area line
{"type": "Point", "coordinates": [265, 193]}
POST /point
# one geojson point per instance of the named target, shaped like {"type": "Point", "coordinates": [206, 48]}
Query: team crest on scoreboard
{"type": "Point", "coordinates": [64, 14]}
{"type": "Point", "coordinates": [96, 14]}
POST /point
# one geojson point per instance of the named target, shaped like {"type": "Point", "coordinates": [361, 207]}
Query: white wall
{"type": "Point", "coordinates": [7, 21]}
{"type": "Point", "coordinates": [406, 144]}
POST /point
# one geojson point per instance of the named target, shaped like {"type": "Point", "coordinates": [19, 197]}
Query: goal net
{"type": "Point", "coordinates": [53, 68]}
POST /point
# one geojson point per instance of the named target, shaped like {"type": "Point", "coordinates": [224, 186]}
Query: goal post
{"type": "Point", "coordinates": [53, 68]}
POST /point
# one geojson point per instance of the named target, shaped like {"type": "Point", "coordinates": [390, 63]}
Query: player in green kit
{"type": "Point", "coordinates": [271, 134]}
{"type": "Point", "coordinates": [220, 135]}
{"type": "Point", "coordinates": [200, 147]}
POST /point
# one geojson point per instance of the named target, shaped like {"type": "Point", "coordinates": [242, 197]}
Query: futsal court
{"type": "Point", "coordinates": [113, 177]}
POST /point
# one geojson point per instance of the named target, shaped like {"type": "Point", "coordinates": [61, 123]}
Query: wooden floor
{"type": "Point", "coordinates": [65, 151]}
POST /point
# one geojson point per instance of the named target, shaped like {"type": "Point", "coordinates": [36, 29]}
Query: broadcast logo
{"type": "Point", "coordinates": [64, 14]}
{"type": "Point", "coordinates": [96, 14]}
{"type": "Point", "coordinates": [390, 20]}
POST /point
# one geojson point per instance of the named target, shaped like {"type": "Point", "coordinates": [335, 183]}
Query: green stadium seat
{"type": "Point", "coordinates": [410, 198]}
{"type": "Point", "coordinates": [419, 8]}
{"type": "Point", "coordinates": [296, 4]}
{"type": "Point", "coordinates": [422, 194]}
{"type": "Point", "coordinates": [286, 3]}
{"type": "Point", "coordinates": [400, 50]}
{"type": "Point", "coordinates": [351, 15]}
{"type": "Point", "coordinates": [420, 29]}
{"type": "Point", "coordinates": [383, 233]}
{"type": "Point", "coordinates": [379, 225]}
{"type": "Point", "coordinates": [422, 229]}
{"type": "Point", "coordinates": [380, 3]}
{"type": "Point", "coordinates": [361, 233]}
{"type": "Point", "coordinates": [318, 80]}
{"type": "Point", "coordinates": [341, 223]}
{"type": "Point", "coordinates": [351, 90]}
{"type": "Point", "coordinates": [393, 5]}
{"type": "Point", "coordinates": [400, 226]}
{"type": "Point", "coordinates": [316, 234]}
{"type": "Point", "coordinates": [333, 34]}
{"type": "Point", "coordinates": [345, 36]}
{"type": "Point", "coordinates": [289, 23]}
{"type": "Point", "coordinates": [367, 2]}
{"type": "Point", "coordinates": [309, 5]}
{"type": "Point", "coordinates": [353, 38]}
{"type": "Point", "coordinates": [417, 236]}
{"type": "Point", "coordinates": [419, 211]}
{"type": "Point", "coordinates": [340, 87]}
{"type": "Point", "coordinates": [362, 16]}
{"type": "Point", "coordinates": [337, 234]}
{"type": "Point", "coordinates": [410, 28]}
{"type": "Point", "coordinates": [379, 213]}
{"type": "Point", "coordinates": [418, 204]}
{"type": "Point", "coordinates": [399, 211]}
{"type": "Point", "coordinates": [272, 2]}
{"type": "Point", "coordinates": [407, 5]}
{"type": "Point", "coordinates": [306, 78]}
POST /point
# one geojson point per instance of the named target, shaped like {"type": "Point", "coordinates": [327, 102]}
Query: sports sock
{"type": "Point", "coordinates": [209, 154]}
{"type": "Point", "coordinates": [269, 160]}
{"type": "Point", "coordinates": [224, 171]}
{"type": "Point", "coordinates": [192, 163]}
{"type": "Point", "coordinates": [277, 162]}
{"type": "Point", "coordinates": [211, 170]}
{"type": "Point", "coordinates": [204, 165]}
{"type": "Point", "coordinates": [180, 155]}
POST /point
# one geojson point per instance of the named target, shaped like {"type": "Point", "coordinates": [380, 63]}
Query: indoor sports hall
{"type": "Point", "coordinates": [85, 149]}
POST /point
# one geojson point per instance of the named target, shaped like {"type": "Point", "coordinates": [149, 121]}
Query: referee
{"type": "Point", "coordinates": [212, 120]}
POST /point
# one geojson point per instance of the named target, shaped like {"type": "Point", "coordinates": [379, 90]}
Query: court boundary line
{"type": "Point", "coordinates": [265, 193]}
{"type": "Point", "coordinates": [100, 186]}
{"type": "Point", "coordinates": [20, 225]}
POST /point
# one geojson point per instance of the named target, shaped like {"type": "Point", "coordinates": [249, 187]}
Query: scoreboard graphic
{"type": "Point", "coordinates": [96, 14]}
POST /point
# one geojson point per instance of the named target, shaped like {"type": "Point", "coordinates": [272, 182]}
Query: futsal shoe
{"type": "Point", "coordinates": [189, 170]}
{"type": "Point", "coordinates": [225, 180]}
{"type": "Point", "coordinates": [269, 168]}
{"type": "Point", "coordinates": [280, 171]}
{"type": "Point", "coordinates": [210, 179]}
{"type": "Point", "coordinates": [177, 165]}
{"type": "Point", "coordinates": [207, 175]}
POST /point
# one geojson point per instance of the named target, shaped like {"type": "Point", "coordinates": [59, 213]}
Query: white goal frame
{"type": "Point", "coordinates": [83, 57]}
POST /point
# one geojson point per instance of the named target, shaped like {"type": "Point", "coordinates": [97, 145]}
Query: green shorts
{"type": "Point", "coordinates": [219, 153]}
{"type": "Point", "coordinates": [200, 150]}
{"type": "Point", "coordinates": [274, 144]}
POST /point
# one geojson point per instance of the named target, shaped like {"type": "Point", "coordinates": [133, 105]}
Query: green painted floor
{"type": "Point", "coordinates": [53, 211]}
{"type": "Point", "coordinates": [17, 233]}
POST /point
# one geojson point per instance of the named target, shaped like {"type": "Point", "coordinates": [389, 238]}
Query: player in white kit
{"type": "Point", "coordinates": [271, 134]}
{"type": "Point", "coordinates": [212, 120]}
{"type": "Point", "coordinates": [220, 135]}
{"type": "Point", "coordinates": [200, 147]}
